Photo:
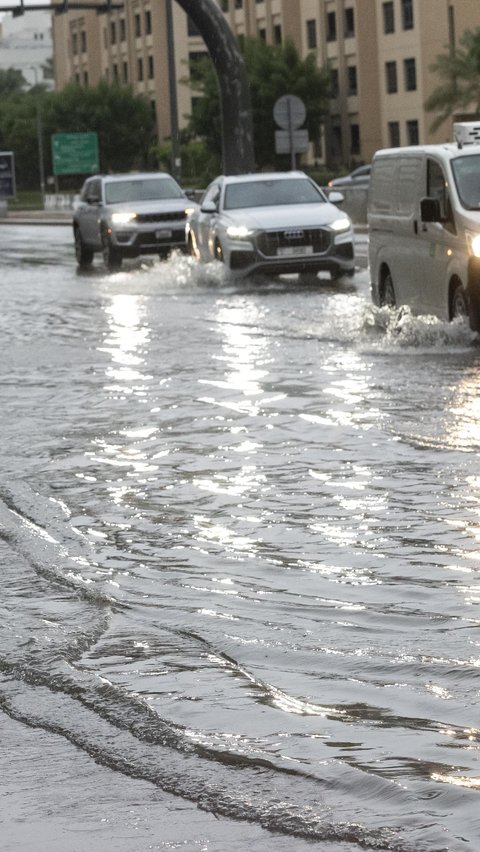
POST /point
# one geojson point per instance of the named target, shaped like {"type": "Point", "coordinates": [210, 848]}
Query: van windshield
{"type": "Point", "coordinates": [466, 171]}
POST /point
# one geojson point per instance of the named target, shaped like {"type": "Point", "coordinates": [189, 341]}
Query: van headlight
{"type": "Point", "coordinates": [342, 224]}
{"type": "Point", "coordinates": [473, 242]}
{"type": "Point", "coordinates": [123, 217]}
{"type": "Point", "coordinates": [239, 232]}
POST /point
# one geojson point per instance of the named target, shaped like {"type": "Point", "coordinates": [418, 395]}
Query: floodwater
{"type": "Point", "coordinates": [240, 582]}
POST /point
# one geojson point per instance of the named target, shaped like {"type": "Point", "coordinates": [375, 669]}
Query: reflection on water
{"type": "Point", "coordinates": [239, 536]}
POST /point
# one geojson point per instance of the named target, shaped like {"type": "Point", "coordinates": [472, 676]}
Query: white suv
{"type": "Point", "coordinates": [129, 215]}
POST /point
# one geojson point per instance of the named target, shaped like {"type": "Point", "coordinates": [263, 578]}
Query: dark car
{"type": "Point", "coordinates": [359, 177]}
{"type": "Point", "coordinates": [130, 215]}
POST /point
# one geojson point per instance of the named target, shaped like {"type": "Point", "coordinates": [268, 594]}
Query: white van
{"type": "Point", "coordinates": [424, 227]}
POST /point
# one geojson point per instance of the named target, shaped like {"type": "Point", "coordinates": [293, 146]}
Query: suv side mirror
{"type": "Point", "coordinates": [336, 197]}
{"type": "Point", "coordinates": [430, 210]}
{"type": "Point", "coordinates": [209, 207]}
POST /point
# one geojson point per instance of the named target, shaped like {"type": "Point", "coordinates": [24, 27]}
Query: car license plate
{"type": "Point", "coordinates": [164, 234]}
{"type": "Point", "coordinates": [291, 251]}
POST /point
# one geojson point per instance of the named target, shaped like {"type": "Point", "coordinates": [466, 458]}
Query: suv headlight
{"type": "Point", "coordinates": [342, 224]}
{"type": "Point", "coordinates": [123, 217]}
{"type": "Point", "coordinates": [239, 232]}
{"type": "Point", "coordinates": [473, 242]}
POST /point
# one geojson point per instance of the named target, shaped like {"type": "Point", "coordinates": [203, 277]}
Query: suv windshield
{"type": "Point", "coordinates": [151, 189]}
{"type": "Point", "coordinates": [466, 171]}
{"type": "Point", "coordinates": [270, 193]}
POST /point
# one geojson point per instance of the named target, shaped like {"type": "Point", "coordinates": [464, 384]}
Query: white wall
{"type": "Point", "coordinates": [26, 44]}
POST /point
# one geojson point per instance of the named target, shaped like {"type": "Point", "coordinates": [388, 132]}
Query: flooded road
{"type": "Point", "coordinates": [240, 586]}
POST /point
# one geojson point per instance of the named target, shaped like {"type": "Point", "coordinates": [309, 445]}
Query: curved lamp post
{"type": "Point", "coordinates": [237, 131]}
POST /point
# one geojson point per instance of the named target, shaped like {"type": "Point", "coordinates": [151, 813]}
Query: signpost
{"type": "Point", "coordinates": [75, 153]}
{"type": "Point", "coordinates": [7, 180]}
{"type": "Point", "coordinates": [7, 175]}
{"type": "Point", "coordinates": [289, 113]}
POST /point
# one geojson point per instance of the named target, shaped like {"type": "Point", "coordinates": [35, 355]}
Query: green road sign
{"type": "Point", "coordinates": [75, 153]}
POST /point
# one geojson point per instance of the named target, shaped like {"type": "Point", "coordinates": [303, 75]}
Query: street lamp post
{"type": "Point", "coordinates": [41, 165]}
{"type": "Point", "coordinates": [172, 83]}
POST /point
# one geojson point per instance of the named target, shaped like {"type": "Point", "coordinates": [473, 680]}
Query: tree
{"type": "Point", "coordinates": [273, 71]}
{"type": "Point", "coordinates": [12, 82]}
{"type": "Point", "coordinates": [124, 121]}
{"type": "Point", "coordinates": [459, 71]}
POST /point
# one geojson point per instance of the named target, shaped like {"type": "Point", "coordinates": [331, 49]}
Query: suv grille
{"type": "Point", "coordinates": [162, 217]}
{"type": "Point", "coordinates": [270, 241]}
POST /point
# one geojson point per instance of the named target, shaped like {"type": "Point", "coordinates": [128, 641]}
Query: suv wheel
{"type": "Point", "coordinates": [111, 257]}
{"type": "Point", "coordinates": [83, 254]}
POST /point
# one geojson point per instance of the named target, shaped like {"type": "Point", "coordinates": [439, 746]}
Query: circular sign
{"type": "Point", "coordinates": [289, 112]}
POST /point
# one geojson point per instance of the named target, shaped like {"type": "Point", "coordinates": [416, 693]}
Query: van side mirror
{"type": "Point", "coordinates": [430, 210]}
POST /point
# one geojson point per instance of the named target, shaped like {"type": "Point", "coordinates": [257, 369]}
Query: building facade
{"type": "Point", "coordinates": [380, 55]}
{"type": "Point", "coordinates": [26, 45]}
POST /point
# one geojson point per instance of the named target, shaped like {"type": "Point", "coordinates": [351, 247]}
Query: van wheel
{"type": "Point", "coordinates": [459, 304]}
{"type": "Point", "coordinates": [387, 297]}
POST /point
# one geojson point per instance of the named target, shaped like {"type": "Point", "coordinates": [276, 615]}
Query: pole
{"type": "Point", "coordinates": [41, 166]}
{"type": "Point", "coordinates": [293, 161]}
{"type": "Point", "coordinates": [172, 84]}
{"type": "Point", "coordinates": [40, 154]}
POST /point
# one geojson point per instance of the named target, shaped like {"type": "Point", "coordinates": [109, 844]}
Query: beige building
{"type": "Point", "coordinates": [379, 53]}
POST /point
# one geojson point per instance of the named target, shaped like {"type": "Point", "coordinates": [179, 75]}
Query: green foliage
{"type": "Point", "coordinates": [459, 72]}
{"type": "Point", "coordinates": [123, 121]}
{"type": "Point", "coordinates": [12, 82]}
{"type": "Point", "coordinates": [273, 71]}
{"type": "Point", "coordinates": [198, 165]}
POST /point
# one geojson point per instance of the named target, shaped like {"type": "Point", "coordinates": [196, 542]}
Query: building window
{"type": "Point", "coordinates": [394, 134]}
{"type": "Point", "coordinates": [74, 44]}
{"type": "Point", "coordinates": [334, 83]}
{"type": "Point", "coordinates": [391, 77]}
{"type": "Point", "coordinates": [148, 22]}
{"type": "Point", "coordinates": [311, 34]}
{"type": "Point", "coordinates": [115, 72]}
{"type": "Point", "coordinates": [352, 88]}
{"type": "Point", "coordinates": [349, 23]}
{"type": "Point", "coordinates": [331, 26]}
{"type": "Point", "coordinates": [113, 33]}
{"type": "Point", "coordinates": [224, 5]}
{"type": "Point", "coordinates": [262, 33]}
{"type": "Point", "coordinates": [151, 70]}
{"type": "Point", "coordinates": [412, 133]}
{"type": "Point", "coordinates": [337, 140]}
{"type": "Point", "coordinates": [407, 14]}
{"type": "Point", "coordinates": [388, 17]}
{"type": "Point", "coordinates": [138, 26]}
{"type": "Point", "coordinates": [125, 72]}
{"type": "Point", "coordinates": [139, 69]}
{"type": "Point", "coordinates": [238, 4]}
{"type": "Point", "coordinates": [354, 139]}
{"type": "Point", "coordinates": [83, 42]}
{"type": "Point", "coordinates": [410, 73]}
{"type": "Point", "coordinates": [277, 34]}
{"type": "Point", "coordinates": [194, 57]}
{"type": "Point", "coordinates": [123, 30]}
{"type": "Point", "coordinates": [85, 78]}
